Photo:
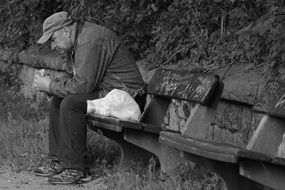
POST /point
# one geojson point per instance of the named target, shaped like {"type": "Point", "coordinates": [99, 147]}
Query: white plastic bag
{"type": "Point", "coordinates": [116, 103]}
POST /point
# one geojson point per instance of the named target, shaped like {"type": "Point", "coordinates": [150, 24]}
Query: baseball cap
{"type": "Point", "coordinates": [54, 22]}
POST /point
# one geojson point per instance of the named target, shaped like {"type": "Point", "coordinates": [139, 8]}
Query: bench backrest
{"type": "Point", "coordinates": [269, 132]}
{"type": "Point", "coordinates": [166, 85]}
{"type": "Point", "coordinates": [183, 85]}
{"type": "Point", "coordinates": [272, 99]}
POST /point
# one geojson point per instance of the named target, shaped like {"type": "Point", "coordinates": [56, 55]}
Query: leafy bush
{"type": "Point", "coordinates": [130, 19]}
{"type": "Point", "coordinates": [208, 33]}
{"type": "Point", "coordinates": [264, 39]}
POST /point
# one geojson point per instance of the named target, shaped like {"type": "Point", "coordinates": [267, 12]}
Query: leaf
{"type": "Point", "coordinates": [245, 30]}
{"type": "Point", "coordinates": [281, 70]}
{"type": "Point", "coordinates": [154, 8]}
{"type": "Point", "coordinates": [272, 64]}
{"type": "Point", "coordinates": [282, 46]}
{"type": "Point", "coordinates": [244, 36]}
{"type": "Point", "coordinates": [238, 13]}
{"type": "Point", "coordinates": [182, 20]}
{"type": "Point", "coordinates": [273, 8]}
{"type": "Point", "coordinates": [283, 56]}
{"type": "Point", "coordinates": [262, 27]}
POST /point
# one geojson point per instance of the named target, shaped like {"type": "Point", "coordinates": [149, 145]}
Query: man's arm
{"type": "Point", "coordinates": [91, 61]}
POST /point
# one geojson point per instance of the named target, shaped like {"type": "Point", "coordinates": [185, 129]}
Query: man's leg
{"type": "Point", "coordinates": [53, 165]}
{"type": "Point", "coordinates": [73, 128]}
{"type": "Point", "coordinates": [73, 134]}
{"type": "Point", "coordinates": [54, 128]}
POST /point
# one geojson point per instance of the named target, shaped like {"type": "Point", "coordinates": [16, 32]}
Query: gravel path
{"type": "Point", "coordinates": [28, 181]}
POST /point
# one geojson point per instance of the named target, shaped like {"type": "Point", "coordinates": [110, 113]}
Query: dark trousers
{"type": "Point", "coordinates": [68, 128]}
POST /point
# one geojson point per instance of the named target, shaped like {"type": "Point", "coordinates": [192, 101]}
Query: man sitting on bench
{"type": "Point", "coordinates": [100, 63]}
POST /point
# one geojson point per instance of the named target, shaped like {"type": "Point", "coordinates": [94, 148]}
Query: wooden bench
{"type": "Point", "coordinates": [259, 162]}
{"type": "Point", "coordinates": [241, 167]}
{"type": "Point", "coordinates": [137, 138]}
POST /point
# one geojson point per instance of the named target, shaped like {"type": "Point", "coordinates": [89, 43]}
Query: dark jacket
{"type": "Point", "coordinates": [100, 62]}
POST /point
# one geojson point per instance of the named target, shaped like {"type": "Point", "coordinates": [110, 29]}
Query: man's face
{"type": "Point", "coordinates": [61, 41]}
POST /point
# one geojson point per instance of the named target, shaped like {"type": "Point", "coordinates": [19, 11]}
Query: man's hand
{"type": "Point", "coordinates": [42, 83]}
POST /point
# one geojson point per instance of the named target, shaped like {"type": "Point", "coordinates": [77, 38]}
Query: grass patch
{"type": "Point", "coordinates": [140, 178]}
{"type": "Point", "coordinates": [24, 134]}
{"type": "Point", "coordinates": [23, 131]}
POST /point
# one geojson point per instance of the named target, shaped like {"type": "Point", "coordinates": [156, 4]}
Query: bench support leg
{"type": "Point", "coordinates": [228, 171]}
{"type": "Point", "coordinates": [264, 173]}
{"type": "Point", "coordinates": [168, 157]}
{"type": "Point", "coordinates": [268, 135]}
{"type": "Point", "coordinates": [129, 152]}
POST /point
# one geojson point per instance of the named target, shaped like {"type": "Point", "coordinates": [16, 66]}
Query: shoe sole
{"type": "Point", "coordinates": [44, 175]}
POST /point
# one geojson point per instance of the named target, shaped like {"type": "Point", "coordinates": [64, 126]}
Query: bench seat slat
{"type": "Point", "coordinates": [212, 150]}
{"type": "Point", "coordinates": [111, 123]}
{"type": "Point", "coordinates": [151, 128]}
{"type": "Point", "coordinates": [102, 124]}
{"type": "Point", "coordinates": [116, 124]}
{"type": "Point", "coordinates": [130, 124]}
{"type": "Point", "coordinates": [183, 85]}
{"type": "Point", "coordinates": [251, 155]}
{"type": "Point", "coordinates": [272, 99]}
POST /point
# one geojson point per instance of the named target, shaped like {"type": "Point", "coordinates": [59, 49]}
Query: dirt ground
{"type": "Point", "coordinates": [10, 180]}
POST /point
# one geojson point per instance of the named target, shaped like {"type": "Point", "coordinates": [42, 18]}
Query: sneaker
{"type": "Point", "coordinates": [49, 169]}
{"type": "Point", "coordinates": [67, 176]}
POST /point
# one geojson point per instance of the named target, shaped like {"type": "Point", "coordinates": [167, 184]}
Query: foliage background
{"type": "Point", "coordinates": [206, 33]}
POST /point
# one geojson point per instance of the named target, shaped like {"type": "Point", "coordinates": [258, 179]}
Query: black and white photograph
{"type": "Point", "coordinates": [142, 94]}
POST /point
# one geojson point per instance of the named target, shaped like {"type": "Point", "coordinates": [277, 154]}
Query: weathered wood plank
{"type": "Point", "coordinates": [202, 116]}
{"type": "Point", "coordinates": [268, 174]}
{"type": "Point", "coordinates": [215, 151]}
{"type": "Point", "coordinates": [233, 124]}
{"type": "Point", "coordinates": [169, 157]}
{"type": "Point", "coordinates": [130, 124]}
{"type": "Point", "coordinates": [103, 122]}
{"type": "Point", "coordinates": [154, 114]}
{"type": "Point", "coordinates": [177, 114]}
{"type": "Point", "coordinates": [268, 136]}
{"type": "Point", "coordinates": [240, 85]}
{"type": "Point", "coordinates": [262, 157]}
{"type": "Point", "coordinates": [113, 123]}
{"type": "Point", "coordinates": [272, 99]}
{"type": "Point", "coordinates": [183, 85]}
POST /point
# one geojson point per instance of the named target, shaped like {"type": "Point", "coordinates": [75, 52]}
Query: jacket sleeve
{"type": "Point", "coordinates": [91, 61]}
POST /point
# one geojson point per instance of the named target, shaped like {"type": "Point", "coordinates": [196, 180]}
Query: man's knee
{"type": "Point", "coordinates": [73, 102]}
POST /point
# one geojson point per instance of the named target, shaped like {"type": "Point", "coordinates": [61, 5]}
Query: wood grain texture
{"type": "Point", "coordinates": [268, 174]}
{"type": "Point", "coordinates": [197, 87]}
{"type": "Point", "coordinates": [233, 124]}
{"type": "Point", "coordinates": [215, 151]}
{"type": "Point", "coordinates": [177, 114]}
{"type": "Point", "coordinates": [268, 135]}
{"type": "Point", "coordinates": [272, 99]}
{"type": "Point", "coordinates": [241, 86]}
